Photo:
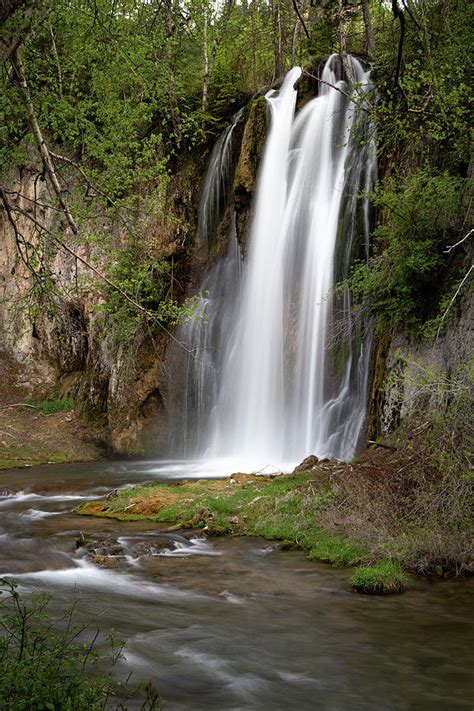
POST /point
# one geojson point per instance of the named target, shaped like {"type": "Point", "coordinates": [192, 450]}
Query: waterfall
{"type": "Point", "coordinates": [204, 336]}
{"type": "Point", "coordinates": [205, 339]}
{"type": "Point", "coordinates": [286, 382]}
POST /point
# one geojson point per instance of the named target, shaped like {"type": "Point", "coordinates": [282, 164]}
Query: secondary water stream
{"type": "Point", "coordinates": [232, 624]}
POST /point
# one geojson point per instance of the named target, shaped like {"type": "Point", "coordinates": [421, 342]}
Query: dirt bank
{"type": "Point", "coordinates": [29, 436]}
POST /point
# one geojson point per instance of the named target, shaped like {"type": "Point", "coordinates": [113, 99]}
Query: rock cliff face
{"type": "Point", "coordinates": [412, 364]}
{"type": "Point", "coordinates": [414, 374]}
{"type": "Point", "coordinates": [251, 149]}
{"type": "Point", "coordinates": [121, 386]}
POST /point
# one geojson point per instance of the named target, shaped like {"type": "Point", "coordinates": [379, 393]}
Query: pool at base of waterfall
{"type": "Point", "coordinates": [230, 623]}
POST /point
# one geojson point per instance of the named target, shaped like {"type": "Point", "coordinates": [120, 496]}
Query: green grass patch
{"type": "Point", "coordinates": [284, 508]}
{"type": "Point", "coordinates": [53, 404]}
{"type": "Point", "coordinates": [385, 577]}
{"type": "Point", "coordinates": [18, 458]}
{"type": "Point", "coordinates": [336, 550]}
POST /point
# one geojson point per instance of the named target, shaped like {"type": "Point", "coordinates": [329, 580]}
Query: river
{"type": "Point", "coordinates": [232, 624]}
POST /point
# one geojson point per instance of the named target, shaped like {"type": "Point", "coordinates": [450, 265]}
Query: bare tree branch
{"type": "Point", "coordinates": [452, 246]}
{"type": "Point", "coordinates": [360, 99]}
{"type": "Point", "coordinates": [465, 278]}
{"type": "Point", "coordinates": [300, 17]}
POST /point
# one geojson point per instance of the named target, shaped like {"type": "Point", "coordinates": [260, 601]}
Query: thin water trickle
{"type": "Point", "coordinates": [216, 183]}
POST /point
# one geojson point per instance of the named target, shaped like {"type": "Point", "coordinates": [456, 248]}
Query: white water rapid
{"type": "Point", "coordinates": [279, 374]}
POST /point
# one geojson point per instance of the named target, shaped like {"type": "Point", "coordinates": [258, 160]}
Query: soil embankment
{"type": "Point", "coordinates": [29, 436]}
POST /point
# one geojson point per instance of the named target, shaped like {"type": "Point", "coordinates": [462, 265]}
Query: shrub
{"type": "Point", "coordinates": [53, 404]}
{"type": "Point", "coordinates": [419, 218]}
{"type": "Point", "coordinates": [44, 666]}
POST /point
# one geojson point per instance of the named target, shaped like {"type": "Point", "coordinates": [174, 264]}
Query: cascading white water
{"type": "Point", "coordinates": [284, 386]}
{"type": "Point", "coordinates": [205, 340]}
{"type": "Point", "coordinates": [216, 183]}
{"type": "Point", "coordinates": [204, 337]}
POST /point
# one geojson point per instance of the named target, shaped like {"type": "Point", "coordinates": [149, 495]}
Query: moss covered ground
{"type": "Point", "coordinates": [283, 508]}
{"type": "Point", "coordinates": [380, 513]}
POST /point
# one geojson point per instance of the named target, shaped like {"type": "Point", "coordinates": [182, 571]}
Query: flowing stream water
{"type": "Point", "coordinates": [232, 624]}
{"type": "Point", "coordinates": [272, 378]}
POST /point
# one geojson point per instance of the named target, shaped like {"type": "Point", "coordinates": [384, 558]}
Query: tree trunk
{"type": "Point", "coordinates": [343, 43]}
{"type": "Point", "coordinates": [277, 39]}
{"type": "Point", "coordinates": [254, 50]}
{"type": "Point", "coordinates": [205, 86]}
{"type": "Point", "coordinates": [170, 30]}
{"type": "Point", "coordinates": [369, 30]}
{"type": "Point", "coordinates": [39, 140]}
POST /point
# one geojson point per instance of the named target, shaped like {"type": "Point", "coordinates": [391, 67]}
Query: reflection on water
{"type": "Point", "coordinates": [232, 623]}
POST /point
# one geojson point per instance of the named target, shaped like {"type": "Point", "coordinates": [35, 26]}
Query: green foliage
{"type": "Point", "coordinates": [384, 577]}
{"type": "Point", "coordinates": [420, 215]}
{"type": "Point", "coordinates": [53, 404]}
{"type": "Point", "coordinates": [426, 117]}
{"type": "Point", "coordinates": [143, 301]}
{"type": "Point", "coordinates": [146, 283]}
{"type": "Point", "coordinates": [337, 550]}
{"type": "Point", "coordinates": [422, 119]}
{"type": "Point", "coordinates": [44, 666]}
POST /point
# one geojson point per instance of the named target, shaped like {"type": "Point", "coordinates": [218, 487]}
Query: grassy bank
{"type": "Point", "coordinates": [283, 508]}
{"type": "Point", "coordinates": [45, 432]}
{"type": "Point", "coordinates": [368, 514]}
{"type": "Point", "coordinates": [21, 457]}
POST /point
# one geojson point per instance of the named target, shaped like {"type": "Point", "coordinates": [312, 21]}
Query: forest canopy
{"type": "Point", "coordinates": [108, 94]}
